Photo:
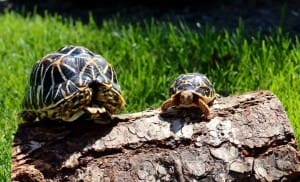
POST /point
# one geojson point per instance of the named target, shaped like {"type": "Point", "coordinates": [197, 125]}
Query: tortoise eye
{"type": "Point", "coordinates": [207, 91]}
{"type": "Point", "coordinates": [204, 90]}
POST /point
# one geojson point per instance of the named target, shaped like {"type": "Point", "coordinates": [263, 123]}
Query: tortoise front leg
{"type": "Point", "coordinates": [167, 104]}
{"type": "Point", "coordinates": [98, 115]}
{"type": "Point", "coordinates": [204, 107]}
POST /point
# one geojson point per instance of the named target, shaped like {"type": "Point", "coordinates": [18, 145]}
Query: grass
{"type": "Point", "coordinates": [147, 57]}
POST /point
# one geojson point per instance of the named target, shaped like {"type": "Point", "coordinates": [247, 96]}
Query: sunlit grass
{"type": "Point", "coordinates": [147, 57]}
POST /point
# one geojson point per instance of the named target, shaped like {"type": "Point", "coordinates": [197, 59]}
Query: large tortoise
{"type": "Point", "coordinates": [70, 83]}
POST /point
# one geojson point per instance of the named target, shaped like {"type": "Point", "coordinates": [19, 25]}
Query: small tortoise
{"type": "Point", "coordinates": [70, 83]}
{"type": "Point", "coordinates": [191, 90]}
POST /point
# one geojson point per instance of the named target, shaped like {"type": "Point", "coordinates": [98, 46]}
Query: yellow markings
{"type": "Point", "coordinates": [62, 74]}
{"type": "Point", "coordinates": [75, 47]}
{"type": "Point", "coordinates": [30, 96]}
{"type": "Point", "coordinates": [43, 73]}
{"type": "Point", "coordinates": [48, 94]}
{"type": "Point", "coordinates": [38, 96]}
{"type": "Point", "coordinates": [93, 74]}
{"type": "Point", "coordinates": [90, 61]}
{"type": "Point", "coordinates": [57, 90]}
{"type": "Point", "coordinates": [52, 77]}
{"type": "Point", "coordinates": [95, 110]}
{"type": "Point", "coordinates": [100, 70]}
{"type": "Point", "coordinates": [57, 63]}
{"type": "Point", "coordinates": [106, 67]}
{"type": "Point", "coordinates": [36, 74]}
{"type": "Point", "coordinates": [70, 68]}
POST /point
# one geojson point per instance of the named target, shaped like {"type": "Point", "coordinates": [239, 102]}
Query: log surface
{"type": "Point", "coordinates": [247, 137]}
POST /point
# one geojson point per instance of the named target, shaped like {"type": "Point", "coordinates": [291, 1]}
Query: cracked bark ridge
{"type": "Point", "coordinates": [247, 137]}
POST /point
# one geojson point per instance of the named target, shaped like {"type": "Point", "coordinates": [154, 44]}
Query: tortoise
{"type": "Point", "coordinates": [70, 83]}
{"type": "Point", "coordinates": [191, 90]}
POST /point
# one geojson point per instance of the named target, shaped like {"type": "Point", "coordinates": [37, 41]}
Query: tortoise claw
{"type": "Point", "coordinates": [98, 114]}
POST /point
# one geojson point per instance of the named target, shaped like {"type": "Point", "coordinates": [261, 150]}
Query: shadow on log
{"type": "Point", "coordinates": [247, 137]}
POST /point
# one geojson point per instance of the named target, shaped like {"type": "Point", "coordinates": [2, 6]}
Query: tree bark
{"type": "Point", "coordinates": [247, 137]}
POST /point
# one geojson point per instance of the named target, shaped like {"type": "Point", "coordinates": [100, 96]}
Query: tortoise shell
{"type": "Point", "coordinates": [70, 82]}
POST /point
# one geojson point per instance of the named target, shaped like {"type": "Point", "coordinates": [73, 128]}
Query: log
{"type": "Point", "coordinates": [247, 137]}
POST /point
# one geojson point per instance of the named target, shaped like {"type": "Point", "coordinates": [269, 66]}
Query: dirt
{"type": "Point", "coordinates": [257, 15]}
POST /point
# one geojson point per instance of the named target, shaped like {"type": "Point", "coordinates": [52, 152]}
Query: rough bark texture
{"type": "Point", "coordinates": [247, 137]}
